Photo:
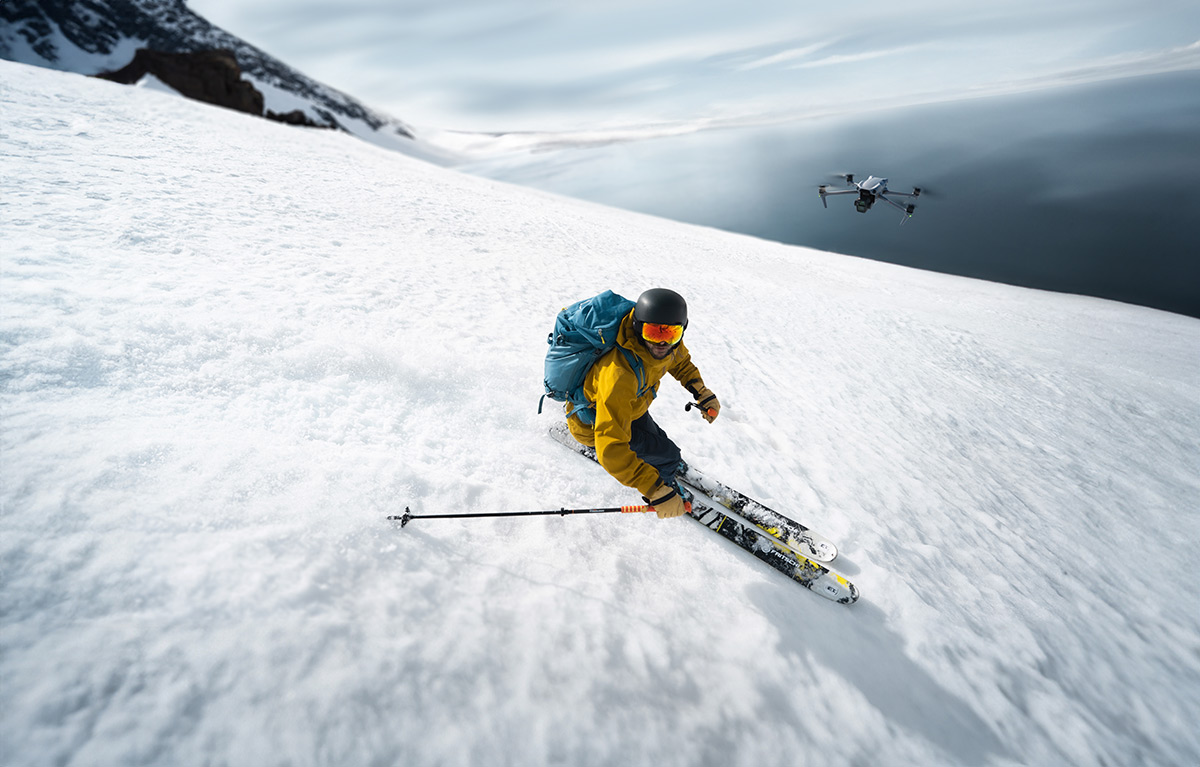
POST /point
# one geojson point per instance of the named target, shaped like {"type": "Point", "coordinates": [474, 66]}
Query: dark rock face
{"type": "Point", "coordinates": [294, 117]}
{"type": "Point", "coordinates": [213, 77]}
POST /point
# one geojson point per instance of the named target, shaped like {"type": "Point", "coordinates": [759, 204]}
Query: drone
{"type": "Point", "coordinates": [868, 192]}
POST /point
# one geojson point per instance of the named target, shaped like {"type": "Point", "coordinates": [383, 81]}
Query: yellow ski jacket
{"type": "Point", "coordinates": [613, 385]}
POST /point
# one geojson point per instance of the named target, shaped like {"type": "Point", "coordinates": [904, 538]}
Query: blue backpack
{"type": "Point", "coordinates": [583, 332]}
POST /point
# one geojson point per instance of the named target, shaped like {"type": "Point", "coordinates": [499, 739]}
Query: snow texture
{"type": "Point", "coordinates": [229, 348]}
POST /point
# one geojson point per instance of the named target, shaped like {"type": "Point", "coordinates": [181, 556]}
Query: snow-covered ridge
{"type": "Point", "coordinates": [93, 37]}
{"type": "Point", "coordinates": [229, 348]}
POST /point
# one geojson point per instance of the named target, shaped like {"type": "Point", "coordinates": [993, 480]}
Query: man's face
{"type": "Point", "coordinates": [658, 351]}
{"type": "Point", "coordinates": [661, 339]}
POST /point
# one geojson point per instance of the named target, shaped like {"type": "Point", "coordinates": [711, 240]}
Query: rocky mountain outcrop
{"type": "Point", "coordinates": [95, 36]}
{"type": "Point", "coordinates": [213, 77]}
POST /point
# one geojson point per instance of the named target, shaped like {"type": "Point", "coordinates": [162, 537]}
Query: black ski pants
{"type": "Point", "coordinates": [650, 443]}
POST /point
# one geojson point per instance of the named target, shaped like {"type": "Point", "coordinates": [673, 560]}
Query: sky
{"type": "Point", "coordinates": [228, 355]}
{"type": "Point", "coordinates": [537, 65]}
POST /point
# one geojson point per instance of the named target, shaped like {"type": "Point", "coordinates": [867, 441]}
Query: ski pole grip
{"type": "Point", "coordinates": [701, 409]}
{"type": "Point", "coordinates": [636, 509]}
{"type": "Point", "coordinates": [402, 518]}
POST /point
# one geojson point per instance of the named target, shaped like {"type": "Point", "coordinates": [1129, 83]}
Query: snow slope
{"type": "Point", "coordinates": [229, 348]}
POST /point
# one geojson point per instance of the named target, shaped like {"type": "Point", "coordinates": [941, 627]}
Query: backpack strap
{"type": "Point", "coordinates": [638, 369]}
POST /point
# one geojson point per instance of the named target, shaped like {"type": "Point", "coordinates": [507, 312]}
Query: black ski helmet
{"type": "Point", "coordinates": [660, 306]}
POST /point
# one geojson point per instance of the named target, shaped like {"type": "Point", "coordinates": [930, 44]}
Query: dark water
{"type": "Point", "coordinates": [1089, 189]}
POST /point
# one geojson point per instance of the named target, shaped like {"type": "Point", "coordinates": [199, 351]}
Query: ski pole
{"type": "Point", "coordinates": [407, 515]}
{"type": "Point", "coordinates": [701, 410]}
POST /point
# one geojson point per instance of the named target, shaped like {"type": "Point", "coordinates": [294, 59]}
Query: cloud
{"type": "Point", "coordinates": [855, 58]}
{"type": "Point", "coordinates": [783, 57]}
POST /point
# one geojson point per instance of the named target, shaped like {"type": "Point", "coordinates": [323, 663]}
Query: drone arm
{"type": "Point", "coordinates": [907, 210]}
{"type": "Point", "coordinates": [824, 192]}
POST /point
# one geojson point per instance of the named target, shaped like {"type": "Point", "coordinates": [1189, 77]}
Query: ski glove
{"type": "Point", "coordinates": [667, 502]}
{"type": "Point", "coordinates": [710, 406]}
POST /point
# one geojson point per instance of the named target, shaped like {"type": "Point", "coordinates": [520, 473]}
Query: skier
{"type": "Point", "coordinates": [629, 444]}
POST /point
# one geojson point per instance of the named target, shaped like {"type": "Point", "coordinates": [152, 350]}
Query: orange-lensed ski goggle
{"type": "Point", "coordinates": [662, 334]}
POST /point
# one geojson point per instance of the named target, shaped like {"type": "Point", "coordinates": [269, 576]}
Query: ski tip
{"type": "Point", "coordinates": [851, 595]}
{"type": "Point", "coordinates": [835, 588]}
{"type": "Point", "coordinates": [824, 551]}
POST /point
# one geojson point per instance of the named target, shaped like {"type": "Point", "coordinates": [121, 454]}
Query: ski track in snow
{"type": "Point", "coordinates": [229, 348]}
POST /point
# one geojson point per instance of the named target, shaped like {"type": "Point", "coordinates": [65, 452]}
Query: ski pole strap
{"type": "Point", "coordinates": [674, 492]}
